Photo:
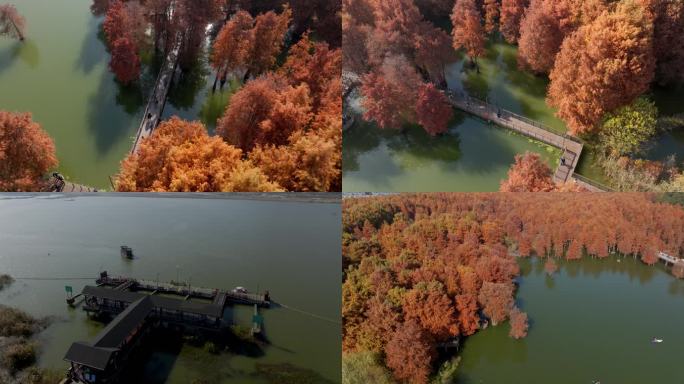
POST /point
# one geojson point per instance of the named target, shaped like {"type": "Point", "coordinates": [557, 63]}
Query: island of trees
{"type": "Point", "coordinates": [602, 58]}
{"type": "Point", "coordinates": [281, 131]}
{"type": "Point", "coordinates": [424, 271]}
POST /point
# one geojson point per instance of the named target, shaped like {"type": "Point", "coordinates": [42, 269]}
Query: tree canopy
{"type": "Point", "coordinates": [27, 153]}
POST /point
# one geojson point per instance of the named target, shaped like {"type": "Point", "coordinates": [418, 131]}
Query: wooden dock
{"type": "Point", "coordinates": [157, 100]}
{"type": "Point", "coordinates": [670, 259]}
{"type": "Point", "coordinates": [570, 146]}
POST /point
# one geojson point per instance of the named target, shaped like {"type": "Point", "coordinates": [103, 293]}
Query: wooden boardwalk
{"type": "Point", "coordinates": [569, 145]}
{"type": "Point", "coordinates": [157, 100]}
{"type": "Point", "coordinates": [670, 259]}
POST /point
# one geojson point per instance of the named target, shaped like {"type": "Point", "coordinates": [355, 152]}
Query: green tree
{"type": "Point", "coordinates": [625, 130]}
{"type": "Point", "coordinates": [364, 367]}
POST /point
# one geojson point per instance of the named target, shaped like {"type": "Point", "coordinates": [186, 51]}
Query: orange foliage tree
{"type": "Point", "coordinates": [181, 157]}
{"type": "Point", "coordinates": [27, 153]}
{"type": "Point", "coordinates": [512, 12]}
{"type": "Point", "coordinates": [409, 354]}
{"type": "Point", "coordinates": [12, 24]}
{"type": "Point", "coordinates": [603, 65]}
{"type": "Point", "coordinates": [540, 37]}
{"type": "Point", "coordinates": [468, 32]}
{"type": "Point", "coordinates": [232, 45]}
{"type": "Point", "coordinates": [519, 324]}
{"type": "Point", "coordinates": [528, 174]}
{"type": "Point", "coordinates": [491, 11]}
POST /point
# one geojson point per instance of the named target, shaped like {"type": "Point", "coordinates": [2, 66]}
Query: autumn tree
{"type": "Point", "coordinates": [12, 24]}
{"type": "Point", "coordinates": [180, 156]}
{"type": "Point", "coordinates": [668, 46]}
{"type": "Point", "coordinates": [429, 305]}
{"type": "Point", "coordinates": [467, 30]}
{"type": "Point", "coordinates": [433, 110]}
{"type": "Point", "coordinates": [678, 270]}
{"type": "Point", "coordinates": [626, 130]}
{"type": "Point", "coordinates": [409, 354]}
{"type": "Point", "coordinates": [540, 37]}
{"type": "Point", "coordinates": [27, 153]}
{"type": "Point", "coordinates": [496, 300]}
{"type": "Point", "coordinates": [189, 21]}
{"type": "Point", "coordinates": [550, 266]}
{"type": "Point", "coordinates": [519, 325]}
{"type": "Point", "coordinates": [269, 37]}
{"type": "Point", "coordinates": [125, 63]}
{"type": "Point", "coordinates": [232, 46]}
{"type": "Point", "coordinates": [512, 12]}
{"type": "Point", "coordinates": [602, 66]}
{"type": "Point", "coordinates": [528, 174]}
{"type": "Point", "coordinates": [389, 93]}
{"type": "Point", "coordinates": [115, 24]}
{"type": "Point", "coordinates": [491, 12]}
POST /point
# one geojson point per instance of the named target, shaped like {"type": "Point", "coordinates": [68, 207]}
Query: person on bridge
{"type": "Point", "coordinates": [563, 161]}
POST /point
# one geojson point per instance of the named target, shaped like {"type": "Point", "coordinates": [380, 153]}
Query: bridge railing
{"type": "Point", "coordinates": [505, 112]}
{"type": "Point", "coordinates": [593, 183]}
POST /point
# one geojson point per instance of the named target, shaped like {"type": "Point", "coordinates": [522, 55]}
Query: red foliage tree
{"type": "Point", "coordinates": [125, 62]}
{"type": "Point", "coordinates": [389, 93]}
{"type": "Point", "coordinates": [115, 22]}
{"type": "Point", "coordinates": [409, 353]}
{"type": "Point", "coordinates": [233, 45]}
{"type": "Point", "coordinates": [468, 318]}
{"type": "Point", "coordinates": [540, 37]}
{"type": "Point", "coordinates": [269, 37]}
{"type": "Point", "coordinates": [27, 153]}
{"type": "Point", "coordinates": [433, 310]}
{"type": "Point", "coordinates": [528, 174]}
{"type": "Point", "coordinates": [519, 324]}
{"type": "Point", "coordinates": [512, 12]}
{"type": "Point", "coordinates": [433, 110]}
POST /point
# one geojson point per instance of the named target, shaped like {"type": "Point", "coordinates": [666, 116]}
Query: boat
{"type": "Point", "coordinates": [656, 340]}
{"type": "Point", "coordinates": [239, 290]}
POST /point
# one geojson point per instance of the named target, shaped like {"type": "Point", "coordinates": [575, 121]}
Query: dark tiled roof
{"type": "Point", "coordinates": [113, 335]}
{"type": "Point", "coordinates": [157, 301]}
{"type": "Point", "coordinates": [88, 355]}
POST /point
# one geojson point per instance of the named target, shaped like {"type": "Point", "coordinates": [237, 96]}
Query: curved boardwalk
{"type": "Point", "coordinates": [571, 146]}
{"type": "Point", "coordinates": [157, 100]}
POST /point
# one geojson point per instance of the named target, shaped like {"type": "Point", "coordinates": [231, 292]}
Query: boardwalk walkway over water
{"type": "Point", "coordinates": [570, 146]}
{"type": "Point", "coordinates": [670, 259]}
{"type": "Point", "coordinates": [157, 100]}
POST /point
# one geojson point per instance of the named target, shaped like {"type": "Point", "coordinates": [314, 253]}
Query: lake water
{"type": "Point", "coordinates": [594, 320]}
{"type": "Point", "coordinates": [290, 248]}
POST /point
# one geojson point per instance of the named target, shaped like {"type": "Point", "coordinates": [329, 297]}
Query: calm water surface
{"type": "Point", "coordinates": [594, 320]}
{"type": "Point", "coordinates": [290, 248]}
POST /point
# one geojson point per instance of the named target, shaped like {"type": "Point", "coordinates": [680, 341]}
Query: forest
{"type": "Point", "coordinates": [281, 130]}
{"type": "Point", "coordinates": [602, 59]}
{"type": "Point", "coordinates": [422, 271]}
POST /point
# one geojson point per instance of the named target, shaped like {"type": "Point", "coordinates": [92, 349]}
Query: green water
{"type": "Point", "coordinates": [594, 320]}
{"type": "Point", "coordinates": [473, 156]}
{"type": "Point", "coordinates": [290, 248]}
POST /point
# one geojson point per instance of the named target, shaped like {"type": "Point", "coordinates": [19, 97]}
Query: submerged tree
{"type": "Point", "coordinates": [519, 325]}
{"type": "Point", "coordinates": [125, 62]}
{"type": "Point", "coordinates": [528, 174]}
{"type": "Point", "coordinates": [12, 24]}
{"type": "Point", "coordinates": [27, 153]}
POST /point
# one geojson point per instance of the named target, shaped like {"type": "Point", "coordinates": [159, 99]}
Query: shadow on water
{"type": "Point", "coordinates": [153, 362]}
{"type": "Point", "coordinates": [183, 92]}
{"type": "Point", "coordinates": [108, 124]}
{"type": "Point", "coordinates": [93, 47]}
{"type": "Point", "coordinates": [26, 51]}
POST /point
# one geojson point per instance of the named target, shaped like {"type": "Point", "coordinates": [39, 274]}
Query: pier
{"type": "Point", "coordinates": [136, 307]}
{"type": "Point", "coordinates": [157, 100]}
